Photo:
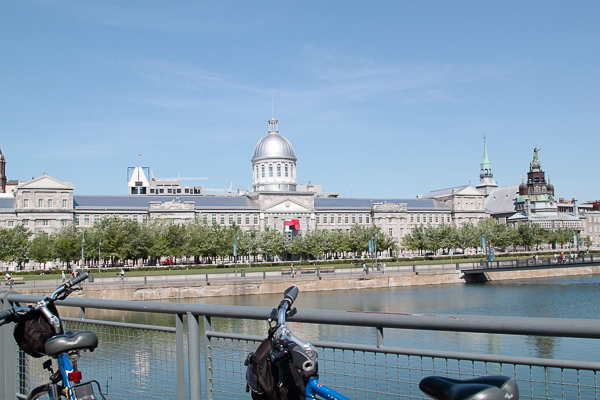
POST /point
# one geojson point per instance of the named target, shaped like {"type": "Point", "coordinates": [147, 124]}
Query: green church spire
{"type": "Point", "coordinates": [486, 165]}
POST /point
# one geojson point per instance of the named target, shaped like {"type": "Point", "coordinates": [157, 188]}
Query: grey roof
{"type": "Point", "coordinates": [443, 192]}
{"type": "Point", "coordinates": [143, 202]}
{"type": "Point", "coordinates": [367, 204]}
{"type": "Point", "coordinates": [6, 202]}
{"type": "Point", "coordinates": [502, 199]}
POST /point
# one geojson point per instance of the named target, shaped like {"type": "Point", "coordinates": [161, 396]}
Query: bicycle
{"type": "Point", "coordinates": [120, 278]}
{"type": "Point", "coordinates": [286, 348]}
{"type": "Point", "coordinates": [64, 347]}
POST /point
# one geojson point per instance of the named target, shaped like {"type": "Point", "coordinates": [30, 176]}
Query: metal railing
{"type": "Point", "coordinates": [572, 260]}
{"type": "Point", "coordinates": [202, 355]}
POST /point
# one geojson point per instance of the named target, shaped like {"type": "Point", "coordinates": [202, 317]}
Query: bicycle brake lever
{"type": "Point", "coordinates": [291, 312]}
{"type": "Point", "coordinates": [272, 316]}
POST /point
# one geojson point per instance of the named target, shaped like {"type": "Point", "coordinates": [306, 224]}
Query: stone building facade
{"type": "Point", "coordinates": [46, 204]}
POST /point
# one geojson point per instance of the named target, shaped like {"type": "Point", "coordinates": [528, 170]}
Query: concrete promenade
{"type": "Point", "coordinates": [203, 285]}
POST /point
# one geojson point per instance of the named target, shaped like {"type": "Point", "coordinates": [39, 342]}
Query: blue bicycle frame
{"type": "Point", "coordinates": [316, 388]}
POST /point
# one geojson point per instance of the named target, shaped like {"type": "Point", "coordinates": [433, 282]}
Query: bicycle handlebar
{"type": "Point", "coordinates": [6, 314]}
{"type": "Point", "coordinates": [79, 278]}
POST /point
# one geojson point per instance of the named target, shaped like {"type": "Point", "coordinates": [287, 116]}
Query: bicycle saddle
{"type": "Point", "coordinates": [85, 340]}
{"type": "Point", "coordinates": [495, 387]}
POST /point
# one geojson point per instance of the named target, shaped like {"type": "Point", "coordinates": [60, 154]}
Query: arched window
{"type": "Point", "coordinates": [270, 171]}
{"type": "Point", "coordinates": [278, 170]}
{"type": "Point", "coordinates": [286, 171]}
{"type": "Point", "coordinates": [263, 171]}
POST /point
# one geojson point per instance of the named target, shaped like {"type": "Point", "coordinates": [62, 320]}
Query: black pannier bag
{"type": "Point", "coordinates": [262, 376]}
{"type": "Point", "coordinates": [33, 330]}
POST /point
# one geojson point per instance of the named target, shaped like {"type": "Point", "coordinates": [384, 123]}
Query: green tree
{"type": "Point", "coordinates": [67, 244]}
{"type": "Point", "coordinates": [14, 244]}
{"type": "Point", "coordinates": [41, 248]}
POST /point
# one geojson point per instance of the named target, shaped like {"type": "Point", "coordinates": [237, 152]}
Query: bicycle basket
{"type": "Point", "coordinates": [33, 330]}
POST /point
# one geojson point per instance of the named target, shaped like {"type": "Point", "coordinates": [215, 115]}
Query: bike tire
{"type": "Point", "coordinates": [41, 393]}
{"type": "Point", "coordinates": [117, 279]}
{"type": "Point", "coordinates": [124, 279]}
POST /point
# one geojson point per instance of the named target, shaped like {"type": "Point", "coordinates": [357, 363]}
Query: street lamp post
{"type": "Point", "coordinates": [249, 246]}
{"type": "Point", "coordinates": [82, 254]}
{"type": "Point", "coordinates": [99, 256]}
{"type": "Point", "coordinates": [375, 245]}
{"type": "Point", "coordinates": [235, 252]}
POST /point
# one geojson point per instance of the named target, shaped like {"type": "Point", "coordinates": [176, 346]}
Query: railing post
{"type": "Point", "coordinates": [195, 374]}
{"type": "Point", "coordinates": [180, 357]}
{"type": "Point", "coordinates": [379, 336]}
{"type": "Point", "coordinates": [208, 370]}
{"type": "Point", "coordinates": [8, 362]}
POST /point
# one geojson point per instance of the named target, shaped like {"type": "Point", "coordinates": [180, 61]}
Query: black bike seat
{"type": "Point", "coordinates": [85, 340]}
{"type": "Point", "coordinates": [494, 387]}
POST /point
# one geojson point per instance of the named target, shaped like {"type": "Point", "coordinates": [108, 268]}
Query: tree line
{"type": "Point", "coordinates": [114, 240]}
{"type": "Point", "coordinates": [449, 237]}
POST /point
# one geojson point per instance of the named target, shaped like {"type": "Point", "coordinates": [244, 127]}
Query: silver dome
{"type": "Point", "coordinates": [273, 146]}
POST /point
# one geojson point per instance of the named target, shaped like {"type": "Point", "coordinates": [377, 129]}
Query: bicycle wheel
{"type": "Point", "coordinates": [124, 279]}
{"type": "Point", "coordinates": [41, 393]}
{"type": "Point", "coordinates": [118, 279]}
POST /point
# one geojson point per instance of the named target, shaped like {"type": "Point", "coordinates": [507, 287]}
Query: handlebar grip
{"type": "Point", "coordinates": [6, 314]}
{"type": "Point", "coordinates": [289, 296]}
{"type": "Point", "coordinates": [79, 278]}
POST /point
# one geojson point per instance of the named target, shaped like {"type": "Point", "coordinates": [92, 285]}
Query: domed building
{"type": "Point", "coordinates": [274, 163]}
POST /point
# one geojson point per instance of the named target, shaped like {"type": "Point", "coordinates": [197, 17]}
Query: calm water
{"type": "Point", "coordinates": [572, 297]}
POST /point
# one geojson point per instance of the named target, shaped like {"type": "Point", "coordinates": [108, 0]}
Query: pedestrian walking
{"type": "Point", "coordinates": [364, 268]}
{"type": "Point", "coordinates": [293, 270]}
{"type": "Point", "coordinates": [383, 268]}
{"type": "Point", "coordinates": [64, 278]}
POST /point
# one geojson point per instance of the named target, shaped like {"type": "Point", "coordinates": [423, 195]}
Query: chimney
{"type": "Point", "coordinates": [575, 208]}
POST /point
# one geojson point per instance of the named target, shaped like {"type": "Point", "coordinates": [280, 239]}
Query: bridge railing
{"type": "Point", "coordinates": [559, 260]}
{"type": "Point", "coordinates": [200, 351]}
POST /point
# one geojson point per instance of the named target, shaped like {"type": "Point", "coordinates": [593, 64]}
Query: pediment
{"type": "Point", "coordinates": [469, 191]}
{"type": "Point", "coordinates": [45, 182]}
{"type": "Point", "coordinates": [287, 205]}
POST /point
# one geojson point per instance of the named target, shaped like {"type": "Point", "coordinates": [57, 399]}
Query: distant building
{"type": "Point", "coordinates": [277, 201]}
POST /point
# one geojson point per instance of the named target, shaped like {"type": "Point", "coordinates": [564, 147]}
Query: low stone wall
{"type": "Point", "coordinates": [158, 291]}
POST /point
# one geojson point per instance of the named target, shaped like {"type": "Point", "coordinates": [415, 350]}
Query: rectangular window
{"type": "Point", "coordinates": [391, 232]}
{"type": "Point", "coordinates": [247, 219]}
{"type": "Point", "coordinates": [25, 203]}
{"type": "Point", "coordinates": [412, 218]}
{"type": "Point", "coordinates": [436, 218]}
{"type": "Point", "coordinates": [49, 203]}
{"type": "Point", "coordinates": [286, 171]}
{"type": "Point", "coordinates": [256, 220]}
{"type": "Point", "coordinates": [324, 219]}
{"type": "Point", "coordinates": [360, 219]}
{"type": "Point", "coordinates": [279, 170]}
{"type": "Point", "coordinates": [346, 218]}
{"type": "Point", "coordinates": [353, 219]}
{"type": "Point", "coordinates": [430, 219]}
{"type": "Point", "coordinates": [64, 203]}
{"type": "Point", "coordinates": [332, 219]}
{"type": "Point", "coordinates": [418, 218]}
{"type": "Point", "coordinates": [318, 219]}
{"type": "Point", "coordinates": [178, 190]}
{"type": "Point", "coordinates": [86, 220]}
{"type": "Point", "coordinates": [144, 216]}
{"type": "Point", "coordinates": [367, 219]}
{"type": "Point", "coordinates": [263, 171]}
{"type": "Point", "coordinates": [76, 219]}
{"type": "Point", "coordinates": [25, 222]}
{"type": "Point", "coordinates": [161, 190]}
{"type": "Point", "coordinates": [270, 171]}
{"type": "Point", "coordinates": [230, 219]}
{"type": "Point", "coordinates": [239, 219]}
{"type": "Point", "coordinates": [64, 222]}
{"type": "Point", "coordinates": [11, 223]}
{"type": "Point", "coordinates": [96, 218]}
{"type": "Point", "coordinates": [40, 203]}
{"type": "Point", "coordinates": [266, 220]}
{"type": "Point", "coordinates": [169, 190]}
{"type": "Point", "coordinates": [222, 220]}
{"type": "Point", "coordinates": [339, 219]}
{"type": "Point", "coordinates": [214, 218]}
{"type": "Point", "coordinates": [45, 222]}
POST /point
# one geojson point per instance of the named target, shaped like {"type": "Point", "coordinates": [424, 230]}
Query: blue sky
{"type": "Point", "coordinates": [384, 99]}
